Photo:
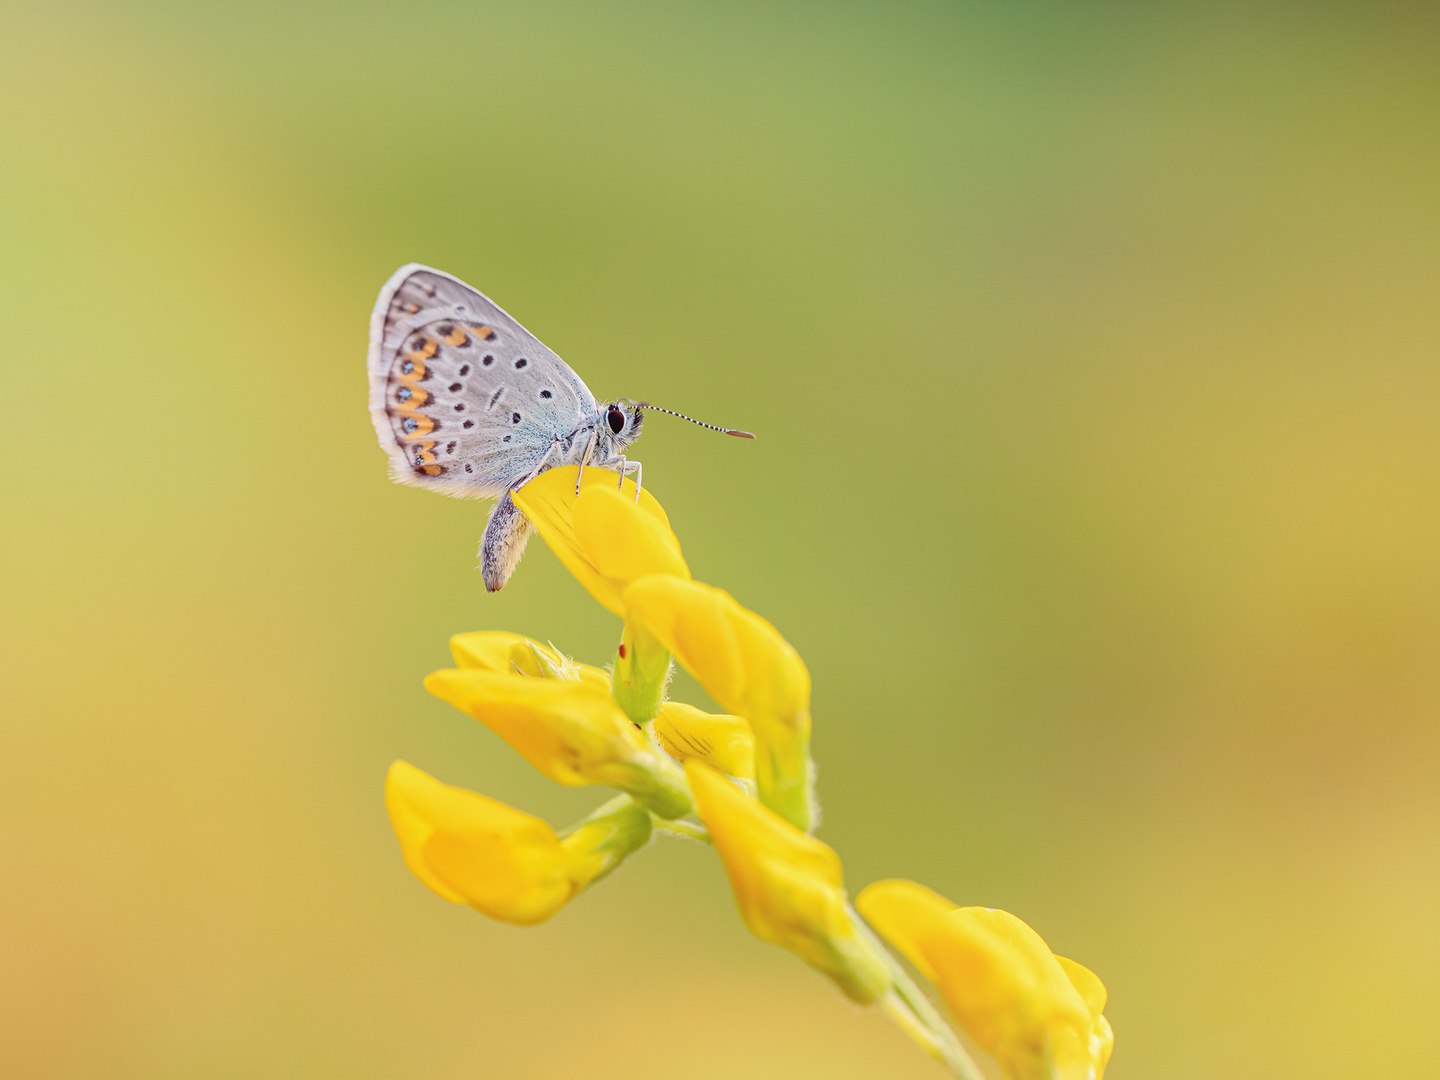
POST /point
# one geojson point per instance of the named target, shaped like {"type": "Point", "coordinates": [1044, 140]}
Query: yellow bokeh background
{"type": "Point", "coordinates": [1093, 355]}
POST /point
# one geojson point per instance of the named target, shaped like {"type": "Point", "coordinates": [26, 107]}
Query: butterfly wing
{"type": "Point", "coordinates": [464, 399]}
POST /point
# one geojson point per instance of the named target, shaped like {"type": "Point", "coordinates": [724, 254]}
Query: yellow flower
{"type": "Point", "coordinates": [1037, 1014]}
{"type": "Point", "coordinates": [723, 742]}
{"type": "Point", "coordinates": [504, 863]}
{"type": "Point", "coordinates": [514, 654]}
{"type": "Point", "coordinates": [573, 732]}
{"type": "Point", "coordinates": [603, 537]}
{"type": "Point", "coordinates": [607, 539]}
{"type": "Point", "coordinates": [788, 886]}
{"type": "Point", "coordinates": [749, 669]}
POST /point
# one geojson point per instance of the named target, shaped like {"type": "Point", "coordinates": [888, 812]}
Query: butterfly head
{"type": "Point", "coordinates": [621, 422]}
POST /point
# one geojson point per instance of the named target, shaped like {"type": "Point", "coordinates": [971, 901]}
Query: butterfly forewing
{"type": "Point", "coordinates": [464, 399]}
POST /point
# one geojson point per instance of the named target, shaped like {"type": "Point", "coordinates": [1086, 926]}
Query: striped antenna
{"type": "Point", "coordinates": [682, 416]}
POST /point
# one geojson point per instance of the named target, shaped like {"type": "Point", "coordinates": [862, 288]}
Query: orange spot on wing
{"type": "Point", "coordinates": [484, 331]}
{"type": "Point", "coordinates": [423, 426]}
{"type": "Point", "coordinates": [456, 336]}
{"type": "Point", "coordinates": [426, 350]}
{"type": "Point", "coordinates": [425, 459]}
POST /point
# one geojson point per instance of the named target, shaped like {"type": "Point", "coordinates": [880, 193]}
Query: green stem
{"type": "Point", "coordinates": [908, 1006]}
{"type": "Point", "coordinates": [895, 1008]}
{"type": "Point", "coordinates": [680, 827]}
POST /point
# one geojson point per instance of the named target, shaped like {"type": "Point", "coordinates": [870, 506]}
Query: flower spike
{"type": "Point", "coordinates": [741, 781]}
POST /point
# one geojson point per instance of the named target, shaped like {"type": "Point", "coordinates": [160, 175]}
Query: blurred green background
{"type": "Point", "coordinates": [1093, 354]}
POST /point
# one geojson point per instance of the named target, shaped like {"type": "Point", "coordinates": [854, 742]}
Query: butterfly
{"type": "Point", "coordinates": [468, 402]}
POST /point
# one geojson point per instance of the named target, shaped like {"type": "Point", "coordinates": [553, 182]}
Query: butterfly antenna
{"type": "Point", "coordinates": [682, 416]}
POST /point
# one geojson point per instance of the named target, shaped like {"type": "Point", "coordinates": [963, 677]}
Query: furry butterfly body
{"type": "Point", "coordinates": [468, 402]}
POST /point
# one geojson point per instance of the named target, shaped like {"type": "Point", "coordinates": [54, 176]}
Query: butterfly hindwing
{"type": "Point", "coordinates": [464, 399]}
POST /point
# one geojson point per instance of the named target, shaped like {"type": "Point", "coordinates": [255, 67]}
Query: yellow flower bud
{"type": "Point", "coordinates": [1037, 1014]}
{"type": "Point", "coordinates": [573, 732]}
{"type": "Point", "coordinates": [514, 654]}
{"type": "Point", "coordinates": [603, 537]}
{"type": "Point", "coordinates": [722, 742]}
{"type": "Point", "coordinates": [788, 886]}
{"type": "Point", "coordinates": [504, 863]}
{"type": "Point", "coordinates": [749, 669]}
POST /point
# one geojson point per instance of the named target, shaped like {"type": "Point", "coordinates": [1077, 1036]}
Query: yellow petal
{"type": "Point", "coordinates": [1005, 987]}
{"type": "Point", "coordinates": [1102, 1044]}
{"type": "Point", "coordinates": [787, 885]}
{"type": "Point", "coordinates": [1035, 1013]}
{"type": "Point", "coordinates": [566, 730]}
{"type": "Point", "coordinates": [748, 668]}
{"type": "Point", "coordinates": [903, 912]}
{"type": "Point", "coordinates": [743, 829]}
{"type": "Point", "coordinates": [573, 732]}
{"type": "Point", "coordinates": [550, 503]}
{"type": "Point", "coordinates": [740, 659]}
{"type": "Point", "coordinates": [622, 540]}
{"type": "Point", "coordinates": [473, 850]}
{"type": "Point", "coordinates": [504, 653]}
{"type": "Point", "coordinates": [1091, 989]}
{"type": "Point", "coordinates": [722, 742]}
{"type": "Point", "coordinates": [405, 787]}
{"type": "Point", "coordinates": [488, 650]}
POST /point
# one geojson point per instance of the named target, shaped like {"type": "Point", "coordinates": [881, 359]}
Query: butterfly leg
{"type": "Point", "coordinates": [589, 449]}
{"type": "Point", "coordinates": [625, 467]}
{"type": "Point", "coordinates": [639, 468]}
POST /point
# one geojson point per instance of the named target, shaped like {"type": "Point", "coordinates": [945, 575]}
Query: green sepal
{"type": "Point", "coordinates": [642, 671]}
{"type": "Point", "coordinates": [613, 831]}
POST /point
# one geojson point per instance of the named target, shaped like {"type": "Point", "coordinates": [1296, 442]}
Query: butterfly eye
{"type": "Point", "coordinates": [616, 419]}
